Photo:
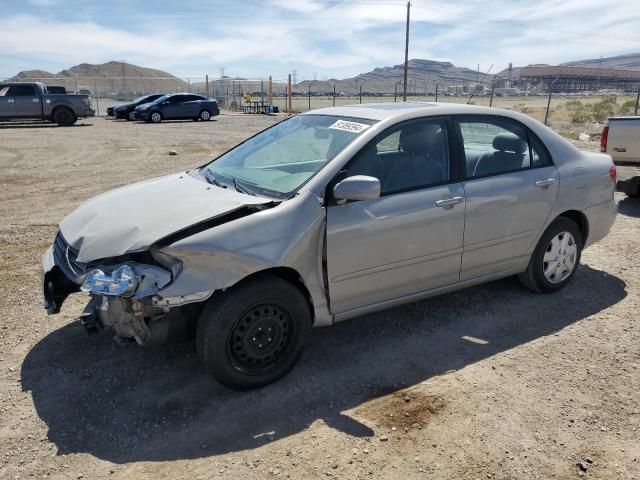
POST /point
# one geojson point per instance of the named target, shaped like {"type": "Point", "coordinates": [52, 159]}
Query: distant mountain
{"type": "Point", "coordinates": [422, 75]}
{"type": "Point", "coordinates": [625, 62]}
{"type": "Point", "coordinates": [110, 77]}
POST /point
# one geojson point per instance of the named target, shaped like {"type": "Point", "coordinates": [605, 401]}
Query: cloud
{"type": "Point", "coordinates": [331, 37]}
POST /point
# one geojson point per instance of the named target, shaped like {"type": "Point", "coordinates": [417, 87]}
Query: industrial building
{"type": "Point", "coordinates": [565, 79]}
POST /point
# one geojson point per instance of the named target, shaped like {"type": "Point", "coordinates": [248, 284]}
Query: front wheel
{"type": "Point", "coordinates": [205, 115]}
{"type": "Point", "coordinates": [156, 117]}
{"type": "Point", "coordinates": [131, 116]}
{"type": "Point", "coordinates": [254, 333]}
{"type": "Point", "coordinates": [555, 259]}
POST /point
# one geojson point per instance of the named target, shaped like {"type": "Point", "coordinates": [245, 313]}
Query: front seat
{"type": "Point", "coordinates": [367, 163]}
{"type": "Point", "coordinates": [423, 161]}
{"type": "Point", "coordinates": [508, 155]}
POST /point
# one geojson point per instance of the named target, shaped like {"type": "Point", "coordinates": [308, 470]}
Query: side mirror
{"type": "Point", "coordinates": [358, 187]}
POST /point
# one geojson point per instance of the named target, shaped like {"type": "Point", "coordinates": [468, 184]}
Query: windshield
{"type": "Point", "coordinates": [148, 98]}
{"type": "Point", "coordinates": [277, 161]}
{"type": "Point", "coordinates": [162, 98]}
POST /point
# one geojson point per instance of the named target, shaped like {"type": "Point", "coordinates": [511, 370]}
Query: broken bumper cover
{"type": "Point", "coordinates": [56, 286]}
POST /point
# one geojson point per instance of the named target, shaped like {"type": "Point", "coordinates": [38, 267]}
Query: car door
{"type": "Point", "coordinates": [173, 108]}
{"type": "Point", "coordinates": [192, 105]}
{"type": "Point", "coordinates": [510, 188]}
{"type": "Point", "coordinates": [408, 240]}
{"type": "Point", "coordinates": [26, 101]}
{"type": "Point", "coordinates": [7, 103]}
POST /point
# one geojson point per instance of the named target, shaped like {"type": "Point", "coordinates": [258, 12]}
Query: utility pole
{"type": "Point", "coordinates": [635, 111]}
{"type": "Point", "coordinates": [206, 84]}
{"type": "Point", "coordinates": [406, 54]}
{"type": "Point", "coordinates": [124, 81]}
{"type": "Point", "coordinates": [334, 94]}
{"type": "Point", "coordinates": [289, 95]}
{"type": "Point", "coordinates": [270, 92]}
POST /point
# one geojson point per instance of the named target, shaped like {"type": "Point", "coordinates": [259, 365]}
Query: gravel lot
{"type": "Point", "coordinates": [490, 382]}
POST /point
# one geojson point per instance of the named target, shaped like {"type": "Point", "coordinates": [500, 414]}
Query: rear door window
{"type": "Point", "coordinates": [493, 146]}
{"type": "Point", "coordinates": [22, 91]}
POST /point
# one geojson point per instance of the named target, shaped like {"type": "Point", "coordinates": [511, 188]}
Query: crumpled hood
{"type": "Point", "coordinates": [132, 218]}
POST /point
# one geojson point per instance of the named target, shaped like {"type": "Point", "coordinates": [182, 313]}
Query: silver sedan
{"type": "Point", "coordinates": [327, 216]}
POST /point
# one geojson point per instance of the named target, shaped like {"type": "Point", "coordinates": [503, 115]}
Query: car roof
{"type": "Point", "coordinates": [383, 111]}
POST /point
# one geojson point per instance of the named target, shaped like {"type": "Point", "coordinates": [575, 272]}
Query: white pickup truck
{"type": "Point", "coordinates": [621, 139]}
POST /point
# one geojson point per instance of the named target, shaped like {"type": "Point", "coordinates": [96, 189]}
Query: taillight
{"type": "Point", "coordinates": [603, 139]}
{"type": "Point", "coordinates": [613, 173]}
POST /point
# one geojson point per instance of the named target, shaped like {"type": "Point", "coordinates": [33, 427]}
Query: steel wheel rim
{"type": "Point", "coordinates": [155, 117]}
{"type": "Point", "coordinates": [560, 257]}
{"type": "Point", "coordinates": [259, 339]}
{"type": "Point", "coordinates": [205, 115]}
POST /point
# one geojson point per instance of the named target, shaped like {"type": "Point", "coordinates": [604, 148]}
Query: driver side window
{"type": "Point", "coordinates": [412, 155]}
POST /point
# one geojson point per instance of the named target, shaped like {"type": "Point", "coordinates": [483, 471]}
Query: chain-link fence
{"type": "Point", "coordinates": [574, 105]}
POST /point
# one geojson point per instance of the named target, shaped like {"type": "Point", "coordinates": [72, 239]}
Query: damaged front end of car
{"type": "Point", "coordinates": [123, 293]}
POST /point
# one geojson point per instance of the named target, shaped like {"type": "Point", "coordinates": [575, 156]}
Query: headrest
{"type": "Point", "coordinates": [416, 138]}
{"type": "Point", "coordinates": [509, 142]}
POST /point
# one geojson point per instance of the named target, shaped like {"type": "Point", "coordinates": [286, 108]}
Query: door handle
{"type": "Point", "coordinates": [35, 100]}
{"type": "Point", "coordinates": [10, 100]}
{"type": "Point", "coordinates": [448, 202]}
{"type": "Point", "coordinates": [545, 183]}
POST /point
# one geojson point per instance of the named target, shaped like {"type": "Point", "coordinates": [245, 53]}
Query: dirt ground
{"type": "Point", "coordinates": [493, 382]}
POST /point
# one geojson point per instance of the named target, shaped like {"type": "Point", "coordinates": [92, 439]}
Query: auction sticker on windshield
{"type": "Point", "coordinates": [352, 127]}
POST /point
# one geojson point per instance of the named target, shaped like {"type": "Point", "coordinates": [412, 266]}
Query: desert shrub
{"type": "Point", "coordinates": [581, 115]}
{"type": "Point", "coordinates": [573, 104]}
{"type": "Point", "coordinates": [627, 107]}
{"type": "Point", "coordinates": [604, 109]}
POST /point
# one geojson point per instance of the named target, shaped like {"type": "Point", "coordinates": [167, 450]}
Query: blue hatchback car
{"type": "Point", "coordinates": [178, 106]}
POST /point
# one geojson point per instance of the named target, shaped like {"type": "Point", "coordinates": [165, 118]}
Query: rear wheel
{"type": "Point", "coordinates": [64, 117]}
{"type": "Point", "coordinates": [254, 333]}
{"type": "Point", "coordinates": [555, 259]}
{"type": "Point", "coordinates": [155, 117]}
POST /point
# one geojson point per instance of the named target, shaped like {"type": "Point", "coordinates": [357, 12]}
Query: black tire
{"type": "Point", "coordinates": [129, 116]}
{"type": "Point", "coordinates": [204, 115]}
{"type": "Point", "coordinates": [534, 277]}
{"type": "Point", "coordinates": [64, 117]}
{"type": "Point", "coordinates": [254, 333]}
{"type": "Point", "coordinates": [155, 117]}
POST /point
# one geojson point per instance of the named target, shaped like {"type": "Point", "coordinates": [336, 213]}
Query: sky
{"type": "Point", "coordinates": [319, 39]}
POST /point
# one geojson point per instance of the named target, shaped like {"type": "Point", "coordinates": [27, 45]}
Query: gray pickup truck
{"type": "Point", "coordinates": [30, 100]}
